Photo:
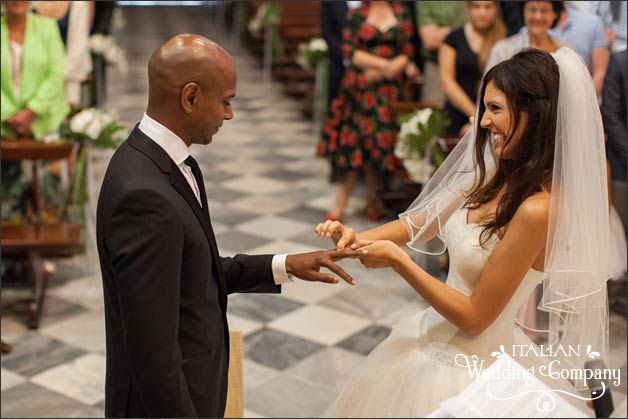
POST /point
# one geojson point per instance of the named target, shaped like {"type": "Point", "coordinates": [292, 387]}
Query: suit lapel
{"type": "Point", "coordinates": [140, 141]}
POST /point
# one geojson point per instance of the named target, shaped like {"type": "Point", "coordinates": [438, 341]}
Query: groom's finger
{"type": "Point", "coordinates": [339, 271]}
{"type": "Point", "coordinates": [344, 254]}
{"type": "Point", "coordinates": [321, 277]}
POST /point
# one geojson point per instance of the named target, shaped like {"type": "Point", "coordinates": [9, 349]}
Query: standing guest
{"type": "Point", "coordinates": [461, 61]}
{"type": "Point", "coordinates": [333, 16]}
{"type": "Point", "coordinates": [435, 19]}
{"type": "Point", "coordinates": [165, 284]}
{"type": "Point", "coordinates": [539, 17]}
{"type": "Point", "coordinates": [614, 116]}
{"type": "Point", "coordinates": [74, 20]}
{"type": "Point", "coordinates": [585, 33]}
{"type": "Point", "coordinates": [362, 130]}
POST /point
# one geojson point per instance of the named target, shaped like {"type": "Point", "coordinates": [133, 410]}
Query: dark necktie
{"type": "Point", "coordinates": [196, 171]}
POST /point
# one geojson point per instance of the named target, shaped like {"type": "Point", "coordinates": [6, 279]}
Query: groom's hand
{"type": "Point", "coordinates": [307, 265]}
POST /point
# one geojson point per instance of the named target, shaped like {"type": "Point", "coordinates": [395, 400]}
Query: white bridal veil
{"type": "Point", "coordinates": [578, 241]}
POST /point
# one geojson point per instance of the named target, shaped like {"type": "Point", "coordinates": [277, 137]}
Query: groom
{"type": "Point", "coordinates": [165, 285]}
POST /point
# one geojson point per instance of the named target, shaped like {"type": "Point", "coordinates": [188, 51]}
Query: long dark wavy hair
{"type": "Point", "coordinates": [530, 81]}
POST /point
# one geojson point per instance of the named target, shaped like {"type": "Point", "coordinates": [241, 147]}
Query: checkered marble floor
{"type": "Point", "coordinates": [266, 191]}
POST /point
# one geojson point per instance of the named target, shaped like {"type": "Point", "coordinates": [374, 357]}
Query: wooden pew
{"type": "Point", "coordinates": [32, 239]}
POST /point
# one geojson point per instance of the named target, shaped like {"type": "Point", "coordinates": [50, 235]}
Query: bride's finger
{"type": "Point", "coordinates": [333, 228]}
{"type": "Point", "coordinates": [361, 243]}
{"type": "Point", "coordinates": [347, 236]}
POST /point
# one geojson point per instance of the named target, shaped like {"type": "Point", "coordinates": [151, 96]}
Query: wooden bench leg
{"type": "Point", "coordinates": [39, 280]}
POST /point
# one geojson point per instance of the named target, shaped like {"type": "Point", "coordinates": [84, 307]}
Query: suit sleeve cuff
{"type": "Point", "coordinates": [280, 275]}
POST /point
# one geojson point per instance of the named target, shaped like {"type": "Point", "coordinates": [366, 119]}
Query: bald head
{"type": "Point", "coordinates": [183, 59]}
{"type": "Point", "coordinates": [191, 81]}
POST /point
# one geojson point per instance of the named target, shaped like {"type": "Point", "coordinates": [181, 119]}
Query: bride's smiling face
{"type": "Point", "coordinates": [497, 118]}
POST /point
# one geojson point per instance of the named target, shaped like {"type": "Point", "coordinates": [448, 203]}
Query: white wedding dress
{"type": "Point", "coordinates": [411, 372]}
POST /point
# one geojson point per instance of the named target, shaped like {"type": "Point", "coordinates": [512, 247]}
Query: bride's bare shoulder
{"type": "Point", "coordinates": [534, 211]}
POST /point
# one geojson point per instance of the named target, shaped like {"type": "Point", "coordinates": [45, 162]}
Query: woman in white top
{"type": "Point", "coordinates": [539, 17]}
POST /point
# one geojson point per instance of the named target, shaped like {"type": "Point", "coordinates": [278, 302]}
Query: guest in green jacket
{"type": "Point", "coordinates": [33, 98]}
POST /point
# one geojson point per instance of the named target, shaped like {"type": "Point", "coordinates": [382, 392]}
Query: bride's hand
{"type": "Point", "coordinates": [341, 235]}
{"type": "Point", "coordinates": [380, 253]}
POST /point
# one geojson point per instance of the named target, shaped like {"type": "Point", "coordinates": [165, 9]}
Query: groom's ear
{"type": "Point", "coordinates": [189, 96]}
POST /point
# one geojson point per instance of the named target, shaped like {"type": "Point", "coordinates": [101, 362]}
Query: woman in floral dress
{"type": "Point", "coordinates": [361, 131]}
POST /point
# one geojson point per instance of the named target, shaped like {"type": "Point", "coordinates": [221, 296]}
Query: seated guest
{"type": "Point", "coordinates": [32, 75]}
{"type": "Point", "coordinates": [586, 35]}
{"type": "Point", "coordinates": [538, 17]}
{"type": "Point", "coordinates": [461, 61]}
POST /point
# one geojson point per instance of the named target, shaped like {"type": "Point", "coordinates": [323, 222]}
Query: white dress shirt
{"type": "Point", "coordinates": [178, 151]}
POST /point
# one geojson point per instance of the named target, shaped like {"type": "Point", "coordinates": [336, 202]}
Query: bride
{"type": "Point", "coordinates": [521, 201]}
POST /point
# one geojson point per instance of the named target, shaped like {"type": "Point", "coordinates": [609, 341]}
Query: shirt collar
{"type": "Point", "coordinates": [172, 144]}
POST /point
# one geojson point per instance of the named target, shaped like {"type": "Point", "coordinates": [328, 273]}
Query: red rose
{"type": "Point", "coordinates": [356, 159]}
{"type": "Point", "coordinates": [349, 78]}
{"type": "Point", "coordinates": [366, 32]}
{"type": "Point", "coordinates": [408, 49]}
{"type": "Point", "coordinates": [383, 115]}
{"type": "Point", "coordinates": [341, 162]}
{"type": "Point", "coordinates": [381, 140]}
{"type": "Point", "coordinates": [320, 149]}
{"type": "Point", "coordinates": [384, 51]}
{"type": "Point", "coordinates": [333, 141]}
{"type": "Point", "coordinates": [385, 90]}
{"type": "Point", "coordinates": [344, 137]}
{"type": "Point", "coordinates": [362, 83]}
{"type": "Point", "coordinates": [376, 154]}
{"type": "Point", "coordinates": [352, 139]}
{"type": "Point", "coordinates": [391, 162]}
{"type": "Point", "coordinates": [368, 126]}
{"type": "Point", "coordinates": [407, 28]}
{"type": "Point", "coordinates": [369, 100]}
{"type": "Point", "coordinates": [369, 144]}
{"type": "Point", "coordinates": [346, 50]}
{"type": "Point", "coordinates": [357, 119]}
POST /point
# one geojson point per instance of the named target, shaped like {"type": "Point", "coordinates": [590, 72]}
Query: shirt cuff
{"type": "Point", "coordinates": [280, 275]}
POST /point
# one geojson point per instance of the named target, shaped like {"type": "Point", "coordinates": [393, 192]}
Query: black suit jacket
{"type": "Point", "coordinates": [614, 114]}
{"type": "Point", "coordinates": [165, 289]}
{"type": "Point", "coordinates": [333, 17]}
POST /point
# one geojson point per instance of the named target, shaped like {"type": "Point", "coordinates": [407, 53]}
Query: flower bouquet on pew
{"type": "Point", "coordinates": [89, 128]}
{"type": "Point", "coordinates": [417, 143]}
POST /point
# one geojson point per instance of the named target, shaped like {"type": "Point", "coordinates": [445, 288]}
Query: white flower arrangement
{"type": "Point", "coordinates": [105, 46]}
{"type": "Point", "coordinates": [311, 52]}
{"type": "Point", "coordinates": [90, 127]}
{"type": "Point", "coordinates": [94, 126]}
{"type": "Point", "coordinates": [417, 146]}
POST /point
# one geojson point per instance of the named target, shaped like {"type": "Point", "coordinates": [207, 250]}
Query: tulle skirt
{"type": "Point", "coordinates": [409, 376]}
